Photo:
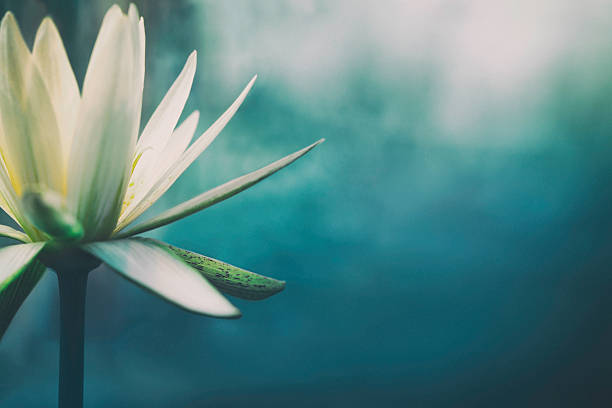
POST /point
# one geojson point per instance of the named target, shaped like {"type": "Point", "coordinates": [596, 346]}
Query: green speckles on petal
{"type": "Point", "coordinates": [230, 279]}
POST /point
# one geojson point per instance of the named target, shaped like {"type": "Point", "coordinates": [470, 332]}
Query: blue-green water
{"type": "Point", "coordinates": [449, 245]}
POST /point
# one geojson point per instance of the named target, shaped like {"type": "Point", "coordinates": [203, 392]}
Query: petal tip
{"type": "Point", "coordinates": [8, 20]}
{"type": "Point", "coordinates": [133, 10]}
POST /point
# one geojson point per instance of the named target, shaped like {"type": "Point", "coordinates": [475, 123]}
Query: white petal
{"type": "Point", "coordinates": [50, 56]}
{"type": "Point", "coordinates": [8, 198]}
{"type": "Point", "coordinates": [152, 164]}
{"type": "Point", "coordinates": [181, 137]}
{"type": "Point", "coordinates": [163, 121]}
{"type": "Point", "coordinates": [9, 232]}
{"type": "Point", "coordinates": [157, 134]}
{"type": "Point", "coordinates": [184, 161]}
{"type": "Point", "coordinates": [216, 195]}
{"type": "Point", "coordinates": [30, 141]}
{"type": "Point", "coordinates": [161, 272]}
{"type": "Point", "coordinates": [14, 259]}
{"type": "Point", "coordinates": [106, 130]}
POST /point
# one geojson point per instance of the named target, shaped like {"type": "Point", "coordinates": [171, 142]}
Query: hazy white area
{"type": "Point", "coordinates": [486, 61]}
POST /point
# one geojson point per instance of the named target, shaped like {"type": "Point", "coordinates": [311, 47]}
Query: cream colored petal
{"type": "Point", "coordinates": [8, 197]}
{"type": "Point", "coordinates": [107, 126]}
{"type": "Point", "coordinates": [138, 42]}
{"type": "Point", "coordinates": [215, 195]}
{"type": "Point", "coordinates": [184, 161]}
{"type": "Point", "coordinates": [164, 274]}
{"type": "Point", "coordinates": [50, 56]}
{"type": "Point", "coordinates": [30, 140]}
{"type": "Point", "coordinates": [181, 137]}
{"type": "Point", "coordinates": [157, 134]}
{"type": "Point", "coordinates": [9, 232]}
{"type": "Point", "coordinates": [152, 164]}
{"type": "Point", "coordinates": [163, 121]}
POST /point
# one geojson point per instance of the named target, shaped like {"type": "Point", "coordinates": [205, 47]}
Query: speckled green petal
{"type": "Point", "coordinates": [229, 279]}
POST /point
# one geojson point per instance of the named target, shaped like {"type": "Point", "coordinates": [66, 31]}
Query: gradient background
{"type": "Point", "coordinates": [449, 245]}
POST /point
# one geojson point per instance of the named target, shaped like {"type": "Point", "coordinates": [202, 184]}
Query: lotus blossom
{"type": "Point", "coordinates": [75, 175]}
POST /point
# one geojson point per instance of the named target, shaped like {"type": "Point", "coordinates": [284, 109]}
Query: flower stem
{"type": "Point", "coordinates": [72, 291]}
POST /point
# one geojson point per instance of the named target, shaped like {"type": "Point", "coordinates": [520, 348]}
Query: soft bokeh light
{"type": "Point", "coordinates": [449, 245]}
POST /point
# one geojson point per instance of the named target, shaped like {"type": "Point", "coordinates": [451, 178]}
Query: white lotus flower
{"type": "Point", "coordinates": [75, 174]}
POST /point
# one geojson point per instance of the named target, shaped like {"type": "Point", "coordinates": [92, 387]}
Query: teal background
{"type": "Point", "coordinates": [448, 245]}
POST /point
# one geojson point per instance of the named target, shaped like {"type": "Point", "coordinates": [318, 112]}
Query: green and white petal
{"type": "Point", "coordinates": [229, 279]}
{"type": "Point", "coordinates": [107, 126]}
{"type": "Point", "coordinates": [188, 157]}
{"type": "Point", "coordinates": [52, 61]}
{"type": "Point", "coordinates": [157, 270]}
{"type": "Point", "coordinates": [16, 292]}
{"type": "Point", "coordinates": [14, 259]}
{"type": "Point", "coordinates": [30, 141]}
{"type": "Point", "coordinates": [215, 195]}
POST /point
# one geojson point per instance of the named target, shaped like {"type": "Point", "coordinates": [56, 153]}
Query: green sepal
{"type": "Point", "coordinates": [46, 211]}
{"type": "Point", "coordinates": [227, 278]}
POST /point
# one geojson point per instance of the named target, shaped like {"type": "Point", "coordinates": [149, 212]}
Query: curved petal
{"type": "Point", "coordinates": [12, 233]}
{"type": "Point", "coordinates": [216, 195]}
{"type": "Point", "coordinates": [14, 260]}
{"type": "Point", "coordinates": [163, 121]}
{"type": "Point", "coordinates": [157, 135]}
{"type": "Point", "coordinates": [15, 293]}
{"type": "Point", "coordinates": [227, 278]}
{"type": "Point", "coordinates": [188, 157]}
{"type": "Point", "coordinates": [107, 125]}
{"type": "Point", "coordinates": [152, 164]}
{"type": "Point", "coordinates": [154, 268]}
{"type": "Point", "coordinates": [52, 61]}
{"type": "Point", "coordinates": [30, 140]}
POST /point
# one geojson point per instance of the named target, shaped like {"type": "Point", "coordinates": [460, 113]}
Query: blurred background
{"type": "Point", "coordinates": [449, 245]}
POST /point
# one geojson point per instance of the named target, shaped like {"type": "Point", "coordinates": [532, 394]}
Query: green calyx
{"type": "Point", "coordinates": [46, 210]}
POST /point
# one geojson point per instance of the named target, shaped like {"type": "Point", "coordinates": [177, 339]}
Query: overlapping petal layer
{"type": "Point", "coordinates": [107, 125]}
{"type": "Point", "coordinates": [154, 268]}
{"type": "Point", "coordinates": [29, 134]}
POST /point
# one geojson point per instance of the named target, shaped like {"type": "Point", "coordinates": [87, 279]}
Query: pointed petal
{"type": "Point", "coordinates": [180, 139]}
{"type": "Point", "coordinates": [185, 161]}
{"type": "Point", "coordinates": [106, 130]}
{"type": "Point", "coordinates": [52, 61]}
{"type": "Point", "coordinates": [30, 137]}
{"type": "Point", "coordinates": [159, 128]}
{"type": "Point", "coordinates": [161, 272]}
{"type": "Point", "coordinates": [14, 260]}
{"type": "Point", "coordinates": [10, 232]}
{"type": "Point", "coordinates": [216, 195]}
{"type": "Point", "coordinates": [13, 296]}
{"type": "Point", "coordinates": [228, 278]}
{"type": "Point", "coordinates": [157, 163]}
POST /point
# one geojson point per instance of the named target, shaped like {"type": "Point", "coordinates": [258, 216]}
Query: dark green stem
{"type": "Point", "coordinates": [72, 291]}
